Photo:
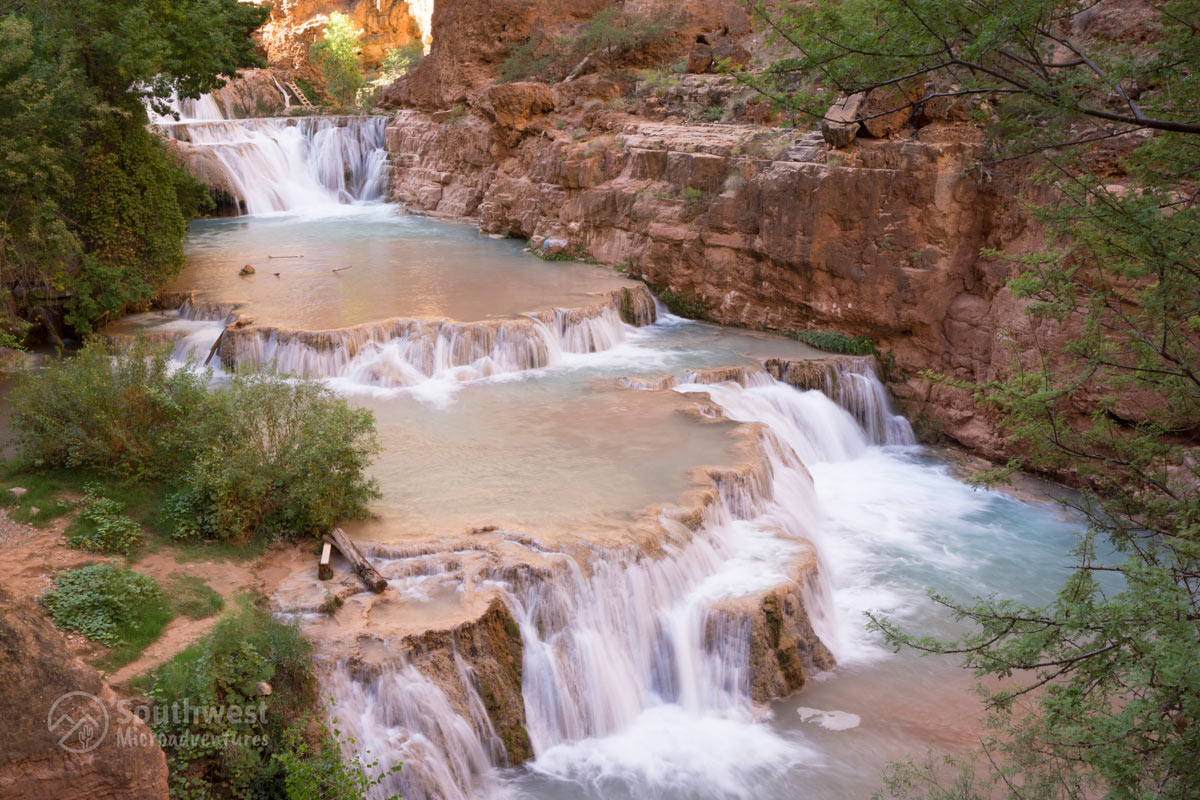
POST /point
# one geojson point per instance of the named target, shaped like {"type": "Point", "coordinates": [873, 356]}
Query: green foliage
{"type": "Point", "coordinates": [398, 61]}
{"type": "Point", "coordinates": [1097, 693]}
{"type": "Point", "coordinates": [693, 201]}
{"type": "Point", "coordinates": [218, 754]}
{"type": "Point", "coordinates": [834, 342]}
{"type": "Point", "coordinates": [682, 304]}
{"type": "Point", "coordinates": [94, 207]}
{"type": "Point", "coordinates": [271, 747]}
{"type": "Point", "coordinates": [112, 605]}
{"type": "Point", "coordinates": [278, 457]}
{"type": "Point", "coordinates": [336, 56]}
{"type": "Point", "coordinates": [610, 38]}
{"type": "Point", "coordinates": [191, 597]}
{"type": "Point", "coordinates": [123, 415]}
{"type": "Point", "coordinates": [317, 772]}
{"type": "Point", "coordinates": [101, 527]}
{"type": "Point", "coordinates": [261, 456]}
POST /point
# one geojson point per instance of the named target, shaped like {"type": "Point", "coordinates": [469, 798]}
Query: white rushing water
{"type": "Point", "coordinates": [309, 165]}
{"type": "Point", "coordinates": [636, 676]}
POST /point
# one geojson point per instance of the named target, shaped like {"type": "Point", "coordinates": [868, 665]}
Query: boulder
{"type": "Point", "coordinates": [731, 54]}
{"type": "Point", "coordinates": [700, 59]}
{"type": "Point", "coordinates": [516, 105]}
{"type": "Point", "coordinates": [246, 270]}
{"type": "Point", "coordinates": [889, 108]}
{"type": "Point", "coordinates": [65, 737]}
{"type": "Point", "coordinates": [839, 126]}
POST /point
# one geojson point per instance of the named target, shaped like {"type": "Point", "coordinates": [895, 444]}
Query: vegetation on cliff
{"type": "Point", "coordinates": [94, 204]}
{"type": "Point", "coordinates": [1096, 693]}
{"type": "Point", "coordinates": [259, 456]}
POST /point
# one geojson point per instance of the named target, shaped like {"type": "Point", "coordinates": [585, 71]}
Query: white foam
{"type": "Point", "coordinates": [829, 720]}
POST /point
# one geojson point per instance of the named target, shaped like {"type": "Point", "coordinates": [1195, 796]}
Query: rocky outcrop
{"type": "Point", "coordinates": [472, 38]}
{"type": "Point", "coordinates": [295, 24]}
{"type": "Point", "coordinates": [784, 649]}
{"type": "Point", "coordinates": [491, 646]}
{"type": "Point", "coordinates": [80, 747]}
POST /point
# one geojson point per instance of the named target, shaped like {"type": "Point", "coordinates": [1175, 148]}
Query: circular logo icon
{"type": "Point", "coordinates": [79, 720]}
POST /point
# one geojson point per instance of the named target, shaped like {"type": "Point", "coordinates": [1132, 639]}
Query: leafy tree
{"type": "Point", "coordinates": [398, 61]}
{"type": "Point", "coordinates": [94, 207]}
{"type": "Point", "coordinates": [336, 55]}
{"type": "Point", "coordinates": [1098, 692]}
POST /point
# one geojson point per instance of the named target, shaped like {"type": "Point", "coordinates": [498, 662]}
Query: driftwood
{"type": "Point", "coordinates": [370, 576]}
{"type": "Point", "coordinates": [339, 269]}
{"type": "Point", "coordinates": [324, 568]}
{"type": "Point", "coordinates": [213, 351]}
{"type": "Point", "coordinates": [285, 256]}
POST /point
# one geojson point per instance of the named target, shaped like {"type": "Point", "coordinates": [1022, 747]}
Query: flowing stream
{"type": "Point", "coordinates": [501, 387]}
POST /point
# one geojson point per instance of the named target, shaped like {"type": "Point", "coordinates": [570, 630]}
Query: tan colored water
{"type": "Point", "coordinates": [389, 265]}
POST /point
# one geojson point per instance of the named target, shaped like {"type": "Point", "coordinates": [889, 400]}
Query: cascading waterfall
{"type": "Point", "coordinates": [408, 352]}
{"type": "Point", "coordinates": [293, 164]}
{"type": "Point", "coordinates": [612, 656]}
{"type": "Point", "coordinates": [853, 383]}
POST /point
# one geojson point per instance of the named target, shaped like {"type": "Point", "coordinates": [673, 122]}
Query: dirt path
{"type": "Point", "coordinates": [34, 556]}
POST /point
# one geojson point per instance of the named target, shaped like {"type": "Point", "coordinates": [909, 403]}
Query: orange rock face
{"type": "Point", "coordinates": [295, 24]}
{"type": "Point", "coordinates": [80, 747]}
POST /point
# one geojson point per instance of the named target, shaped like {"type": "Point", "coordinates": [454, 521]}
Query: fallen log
{"type": "Point", "coordinates": [324, 568]}
{"type": "Point", "coordinates": [370, 576]}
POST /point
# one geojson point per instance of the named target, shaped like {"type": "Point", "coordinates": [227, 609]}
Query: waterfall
{"type": "Point", "coordinates": [853, 383]}
{"type": "Point", "coordinates": [628, 653]}
{"type": "Point", "coordinates": [407, 352]}
{"type": "Point", "coordinates": [278, 164]}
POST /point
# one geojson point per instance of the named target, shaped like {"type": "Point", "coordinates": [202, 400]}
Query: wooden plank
{"type": "Point", "coordinates": [370, 576]}
{"type": "Point", "coordinates": [324, 568]}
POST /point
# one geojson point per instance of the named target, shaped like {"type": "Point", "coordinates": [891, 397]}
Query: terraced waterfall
{"type": "Point", "coordinates": [628, 554]}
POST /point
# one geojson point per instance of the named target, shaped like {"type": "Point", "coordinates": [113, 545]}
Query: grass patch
{"type": "Point", "coordinates": [111, 605]}
{"type": "Point", "coordinates": [55, 492]}
{"type": "Point", "coordinates": [834, 342]}
{"type": "Point", "coordinates": [682, 304]}
{"type": "Point", "coordinates": [191, 597]}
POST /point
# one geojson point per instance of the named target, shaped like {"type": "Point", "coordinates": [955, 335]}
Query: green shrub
{"type": "Point", "coordinates": [120, 415]}
{"type": "Point", "coordinates": [191, 597]}
{"type": "Point", "coordinates": [260, 456]}
{"type": "Point", "coordinates": [336, 56]}
{"type": "Point", "coordinates": [610, 38]}
{"type": "Point", "coordinates": [282, 458]}
{"type": "Point", "coordinates": [317, 772]}
{"type": "Point", "coordinates": [101, 527]}
{"type": "Point", "coordinates": [683, 304]}
{"type": "Point", "coordinates": [834, 342]}
{"type": "Point", "coordinates": [399, 61]}
{"type": "Point", "coordinates": [217, 755]}
{"type": "Point", "coordinates": [109, 604]}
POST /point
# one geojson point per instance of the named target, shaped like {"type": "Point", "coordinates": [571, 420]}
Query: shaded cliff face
{"type": "Point", "coordinates": [766, 227]}
{"type": "Point", "coordinates": [35, 671]}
